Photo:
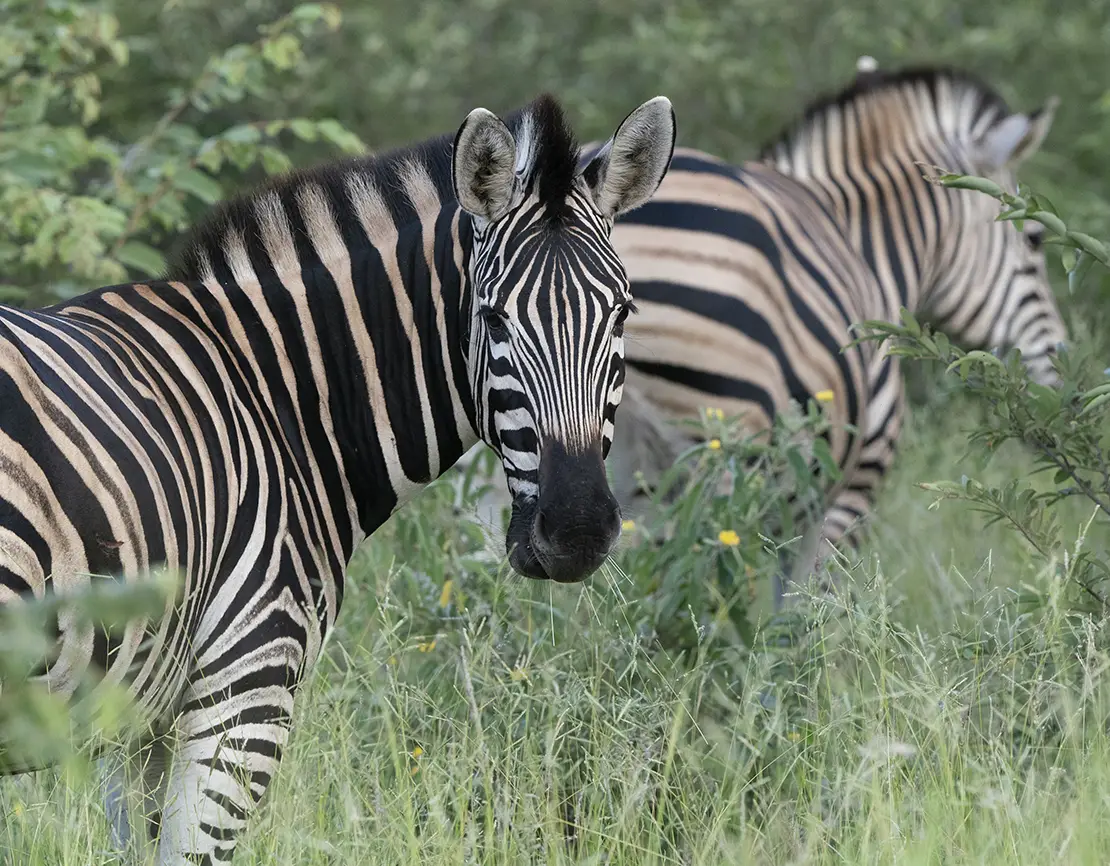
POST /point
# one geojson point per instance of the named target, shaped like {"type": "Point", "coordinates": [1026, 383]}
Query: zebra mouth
{"type": "Point", "coordinates": [562, 554]}
{"type": "Point", "coordinates": [519, 542]}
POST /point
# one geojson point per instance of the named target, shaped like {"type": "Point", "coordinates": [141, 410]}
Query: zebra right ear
{"type": "Point", "coordinates": [1016, 137]}
{"type": "Point", "coordinates": [630, 166]}
{"type": "Point", "coordinates": [482, 165]}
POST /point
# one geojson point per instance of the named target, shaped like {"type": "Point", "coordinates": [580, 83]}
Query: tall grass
{"type": "Point", "coordinates": [498, 721]}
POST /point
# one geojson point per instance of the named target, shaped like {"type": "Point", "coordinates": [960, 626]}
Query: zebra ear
{"type": "Point", "coordinates": [630, 166]}
{"type": "Point", "coordinates": [1017, 137]}
{"type": "Point", "coordinates": [482, 165]}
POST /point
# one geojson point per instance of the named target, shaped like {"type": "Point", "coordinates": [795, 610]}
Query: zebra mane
{"type": "Point", "coordinates": [867, 82]}
{"type": "Point", "coordinates": [548, 156]}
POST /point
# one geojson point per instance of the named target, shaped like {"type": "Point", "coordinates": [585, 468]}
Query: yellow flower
{"type": "Point", "coordinates": [825, 396]}
{"type": "Point", "coordinates": [427, 647]}
{"type": "Point", "coordinates": [393, 660]}
{"type": "Point", "coordinates": [517, 674]}
{"type": "Point", "coordinates": [728, 538]}
{"type": "Point", "coordinates": [417, 752]}
{"type": "Point", "coordinates": [794, 736]}
{"type": "Point", "coordinates": [715, 413]}
{"type": "Point", "coordinates": [714, 444]}
{"type": "Point", "coordinates": [445, 596]}
{"type": "Point", "coordinates": [628, 525]}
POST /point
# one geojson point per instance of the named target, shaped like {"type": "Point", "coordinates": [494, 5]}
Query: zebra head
{"type": "Point", "coordinates": [549, 301]}
{"type": "Point", "coordinates": [996, 293]}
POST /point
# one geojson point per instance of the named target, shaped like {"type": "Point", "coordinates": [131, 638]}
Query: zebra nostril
{"type": "Point", "coordinates": [539, 530]}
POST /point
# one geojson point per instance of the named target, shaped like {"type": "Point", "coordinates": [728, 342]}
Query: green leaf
{"type": "Point", "coordinates": [824, 457]}
{"type": "Point", "coordinates": [142, 257]}
{"type": "Point", "coordinates": [304, 129]}
{"type": "Point", "coordinates": [910, 323]}
{"type": "Point", "coordinates": [1078, 274]}
{"type": "Point", "coordinates": [1050, 221]}
{"type": "Point", "coordinates": [1089, 245]}
{"type": "Point", "coordinates": [979, 184]}
{"type": "Point", "coordinates": [199, 185]}
{"type": "Point", "coordinates": [1095, 403]}
{"type": "Point", "coordinates": [245, 134]}
{"type": "Point", "coordinates": [274, 161]}
{"type": "Point", "coordinates": [801, 470]}
{"type": "Point", "coordinates": [340, 136]}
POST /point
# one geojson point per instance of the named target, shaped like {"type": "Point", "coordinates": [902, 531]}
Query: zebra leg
{"type": "Point", "coordinates": [118, 778]}
{"type": "Point", "coordinates": [230, 740]}
{"type": "Point", "coordinates": [851, 506]}
{"type": "Point", "coordinates": [113, 772]}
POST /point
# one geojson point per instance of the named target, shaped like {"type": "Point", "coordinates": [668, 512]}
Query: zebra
{"type": "Point", "coordinates": [748, 278]}
{"type": "Point", "coordinates": [320, 350]}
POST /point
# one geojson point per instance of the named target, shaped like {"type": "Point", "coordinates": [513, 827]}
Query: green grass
{"type": "Point", "coordinates": [527, 723]}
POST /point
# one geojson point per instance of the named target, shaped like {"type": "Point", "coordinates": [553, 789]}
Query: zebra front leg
{"type": "Point", "coordinates": [229, 745]}
{"type": "Point", "coordinates": [113, 772]}
{"type": "Point", "coordinates": [118, 778]}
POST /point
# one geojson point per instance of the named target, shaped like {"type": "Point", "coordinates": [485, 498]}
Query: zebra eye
{"type": "Point", "coordinates": [1036, 240]}
{"type": "Point", "coordinates": [622, 316]}
{"type": "Point", "coordinates": [495, 322]}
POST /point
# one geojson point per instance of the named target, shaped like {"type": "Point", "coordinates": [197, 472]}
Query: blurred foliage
{"type": "Point", "coordinates": [130, 91]}
{"type": "Point", "coordinates": [39, 727]}
{"type": "Point", "coordinates": [1065, 428]}
{"type": "Point", "coordinates": [91, 187]}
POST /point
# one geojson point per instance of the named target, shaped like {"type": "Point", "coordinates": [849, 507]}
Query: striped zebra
{"type": "Point", "coordinates": [747, 278]}
{"type": "Point", "coordinates": [321, 349]}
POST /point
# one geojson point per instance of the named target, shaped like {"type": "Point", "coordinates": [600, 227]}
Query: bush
{"type": "Point", "coordinates": [84, 207]}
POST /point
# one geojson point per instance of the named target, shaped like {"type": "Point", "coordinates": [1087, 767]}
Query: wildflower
{"type": "Point", "coordinates": [628, 525]}
{"type": "Point", "coordinates": [825, 396]}
{"type": "Point", "coordinates": [714, 444]}
{"type": "Point", "coordinates": [393, 660]}
{"type": "Point", "coordinates": [715, 413]}
{"type": "Point", "coordinates": [793, 736]}
{"type": "Point", "coordinates": [445, 596]}
{"type": "Point", "coordinates": [427, 647]}
{"type": "Point", "coordinates": [517, 674]}
{"type": "Point", "coordinates": [728, 538]}
{"type": "Point", "coordinates": [417, 752]}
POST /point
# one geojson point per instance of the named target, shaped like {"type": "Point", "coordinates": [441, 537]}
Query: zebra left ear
{"type": "Point", "coordinates": [630, 166]}
{"type": "Point", "coordinates": [1017, 137]}
{"type": "Point", "coordinates": [482, 165]}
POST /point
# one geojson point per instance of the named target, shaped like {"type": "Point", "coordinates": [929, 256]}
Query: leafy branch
{"type": "Point", "coordinates": [1063, 427]}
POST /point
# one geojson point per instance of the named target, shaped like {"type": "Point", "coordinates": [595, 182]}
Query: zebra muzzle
{"type": "Point", "coordinates": [566, 532]}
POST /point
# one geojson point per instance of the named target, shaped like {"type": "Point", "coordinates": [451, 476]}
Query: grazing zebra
{"type": "Point", "coordinates": [747, 278]}
{"type": "Point", "coordinates": [321, 350]}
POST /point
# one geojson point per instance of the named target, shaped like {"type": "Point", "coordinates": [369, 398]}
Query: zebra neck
{"type": "Point", "coordinates": [404, 413]}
